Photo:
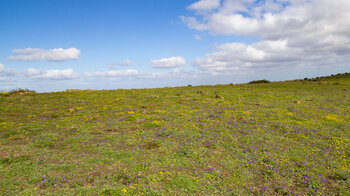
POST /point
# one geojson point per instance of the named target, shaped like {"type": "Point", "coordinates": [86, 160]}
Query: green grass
{"type": "Point", "coordinates": [278, 138]}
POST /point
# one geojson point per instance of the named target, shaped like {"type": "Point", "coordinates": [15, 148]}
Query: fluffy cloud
{"type": "Point", "coordinates": [36, 54]}
{"type": "Point", "coordinates": [50, 74]}
{"type": "Point", "coordinates": [37, 73]}
{"type": "Point", "coordinates": [238, 56]}
{"type": "Point", "coordinates": [171, 62]}
{"type": "Point", "coordinates": [204, 5]}
{"type": "Point", "coordinates": [294, 32]}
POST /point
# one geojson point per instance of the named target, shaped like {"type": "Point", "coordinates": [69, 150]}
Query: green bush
{"type": "Point", "coordinates": [259, 81]}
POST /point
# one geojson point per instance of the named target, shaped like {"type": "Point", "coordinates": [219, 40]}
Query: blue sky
{"type": "Point", "coordinates": [51, 45]}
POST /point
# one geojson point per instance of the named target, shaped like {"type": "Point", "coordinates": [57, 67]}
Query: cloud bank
{"type": "Point", "coordinates": [171, 62]}
{"type": "Point", "coordinates": [36, 54]}
{"type": "Point", "coordinates": [292, 33]}
{"type": "Point", "coordinates": [51, 74]}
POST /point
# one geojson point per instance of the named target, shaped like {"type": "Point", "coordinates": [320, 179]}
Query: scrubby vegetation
{"type": "Point", "coordinates": [259, 81]}
{"type": "Point", "coordinates": [20, 91]}
{"type": "Point", "coordinates": [279, 138]}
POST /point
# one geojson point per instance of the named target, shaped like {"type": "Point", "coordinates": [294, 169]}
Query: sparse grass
{"type": "Point", "coordinates": [279, 138]}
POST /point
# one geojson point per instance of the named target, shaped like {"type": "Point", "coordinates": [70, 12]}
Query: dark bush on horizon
{"type": "Point", "coordinates": [259, 81]}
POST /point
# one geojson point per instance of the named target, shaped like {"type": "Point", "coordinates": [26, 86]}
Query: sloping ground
{"type": "Point", "coordinates": [281, 138]}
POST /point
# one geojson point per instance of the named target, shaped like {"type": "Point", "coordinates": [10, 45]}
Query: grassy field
{"type": "Point", "coordinates": [279, 138]}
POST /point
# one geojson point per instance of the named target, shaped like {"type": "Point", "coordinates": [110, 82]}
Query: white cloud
{"type": "Point", "coordinates": [127, 62]}
{"type": "Point", "coordinates": [51, 74]}
{"type": "Point", "coordinates": [238, 56]}
{"type": "Point", "coordinates": [292, 33]}
{"type": "Point", "coordinates": [115, 73]}
{"type": "Point", "coordinates": [171, 62]}
{"type": "Point", "coordinates": [204, 5]}
{"type": "Point", "coordinates": [36, 54]}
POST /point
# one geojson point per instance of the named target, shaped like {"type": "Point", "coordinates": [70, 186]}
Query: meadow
{"type": "Point", "coordinates": [278, 138]}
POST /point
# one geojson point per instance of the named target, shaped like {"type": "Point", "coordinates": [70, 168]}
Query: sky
{"type": "Point", "coordinates": [53, 45]}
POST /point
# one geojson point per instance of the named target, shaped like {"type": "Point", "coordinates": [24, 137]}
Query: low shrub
{"type": "Point", "coordinates": [259, 81]}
